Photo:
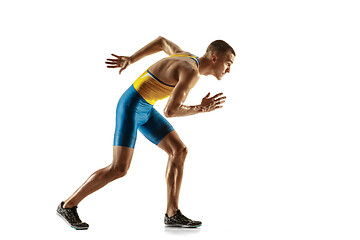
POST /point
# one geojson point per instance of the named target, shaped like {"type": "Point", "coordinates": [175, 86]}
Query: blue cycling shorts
{"type": "Point", "coordinates": [133, 112]}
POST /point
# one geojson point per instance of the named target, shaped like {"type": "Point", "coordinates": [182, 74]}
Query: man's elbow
{"type": "Point", "coordinates": [169, 113]}
{"type": "Point", "coordinates": [161, 40]}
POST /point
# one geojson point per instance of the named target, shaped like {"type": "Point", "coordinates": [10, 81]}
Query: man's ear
{"type": "Point", "coordinates": [213, 58]}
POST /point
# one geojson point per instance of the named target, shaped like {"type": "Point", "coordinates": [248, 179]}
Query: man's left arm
{"type": "Point", "coordinates": [175, 106]}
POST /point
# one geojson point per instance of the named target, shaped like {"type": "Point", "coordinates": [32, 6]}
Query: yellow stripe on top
{"type": "Point", "coordinates": [152, 88]}
{"type": "Point", "coordinates": [188, 56]}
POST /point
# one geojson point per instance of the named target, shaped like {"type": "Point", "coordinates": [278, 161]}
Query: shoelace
{"type": "Point", "coordinates": [76, 215]}
{"type": "Point", "coordinates": [73, 215]}
{"type": "Point", "coordinates": [181, 217]}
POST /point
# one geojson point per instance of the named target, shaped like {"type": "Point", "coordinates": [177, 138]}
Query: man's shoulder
{"type": "Point", "coordinates": [186, 68]}
{"type": "Point", "coordinates": [183, 53]}
{"type": "Point", "coordinates": [185, 62]}
{"type": "Point", "coordinates": [187, 73]}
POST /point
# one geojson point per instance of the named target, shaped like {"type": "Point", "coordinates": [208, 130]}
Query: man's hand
{"type": "Point", "coordinates": [209, 104]}
{"type": "Point", "coordinates": [121, 62]}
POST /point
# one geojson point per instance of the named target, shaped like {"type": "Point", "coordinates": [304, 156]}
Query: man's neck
{"type": "Point", "coordinates": [204, 66]}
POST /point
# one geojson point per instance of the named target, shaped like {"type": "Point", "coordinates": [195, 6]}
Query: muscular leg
{"type": "Point", "coordinates": [177, 151]}
{"type": "Point", "coordinates": [118, 168]}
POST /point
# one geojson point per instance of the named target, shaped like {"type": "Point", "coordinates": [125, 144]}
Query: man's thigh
{"type": "Point", "coordinates": [156, 128]}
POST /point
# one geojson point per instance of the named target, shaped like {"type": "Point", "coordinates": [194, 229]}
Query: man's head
{"type": "Point", "coordinates": [221, 56]}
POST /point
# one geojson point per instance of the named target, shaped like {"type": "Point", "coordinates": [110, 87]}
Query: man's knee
{"type": "Point", "coordinates": [117, 171]}
{"type": "Point", "coordinates": [176, 161]}
{"type": "Point", "coordinates": [179, 151]}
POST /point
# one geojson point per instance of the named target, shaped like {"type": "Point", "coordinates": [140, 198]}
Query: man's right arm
{"type": "Point", "coordinates": [157, 45]}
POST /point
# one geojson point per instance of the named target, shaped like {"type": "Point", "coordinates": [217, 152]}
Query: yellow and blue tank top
{"type": "Point", "coordinates": [152, 88]}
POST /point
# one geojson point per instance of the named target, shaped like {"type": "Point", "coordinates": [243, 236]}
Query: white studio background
{"type": "Point", "coordinates": [279, 161]}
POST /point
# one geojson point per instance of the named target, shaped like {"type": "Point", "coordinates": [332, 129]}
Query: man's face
{"type": "Point", "coordinates": [222, 64]}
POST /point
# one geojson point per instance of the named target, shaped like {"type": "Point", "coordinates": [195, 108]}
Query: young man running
{"type": "Point", "coordinates": [171, 77]}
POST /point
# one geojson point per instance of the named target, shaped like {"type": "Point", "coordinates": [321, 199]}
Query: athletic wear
{"type": "Point", "coordinates": [196, 59]}
{"type": "Point", "coordinates": [135, 110]}
{"type": "Point", "coordinates": [71, 217]}
{"type": "Point", "coordinates": [179, 220]}
{"type": "Point", "coordinates": [151, 88]}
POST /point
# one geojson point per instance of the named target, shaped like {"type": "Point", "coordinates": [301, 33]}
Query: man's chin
{"type": "Point", "coordinates": [219, 77]}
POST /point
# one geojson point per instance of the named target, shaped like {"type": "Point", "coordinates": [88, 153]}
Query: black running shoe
{"type": "Point", "coordinates": [179, 220]}
{"type": "Point", "coordinates": [71, 217]}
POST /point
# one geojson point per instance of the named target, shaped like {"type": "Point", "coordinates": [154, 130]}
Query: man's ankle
{"type": "Point", "coordinates": [67, 205]}
{"type": "Point", "coordinates": [171, 212]}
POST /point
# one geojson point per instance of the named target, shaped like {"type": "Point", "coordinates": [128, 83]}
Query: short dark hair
{"type": "Point", "coordinates": [219, 46]}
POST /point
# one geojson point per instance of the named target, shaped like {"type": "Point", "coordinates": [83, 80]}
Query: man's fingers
{"type": "Point", "coordinates": [217, 107]}
{"type": "Point", "coordinates": [220, 103]}
{"type": "Point", "coordinates": [214, 107]}
{"type": "Point", "coordinates": [111, 63]}
{"type": "Point", "coordinates": [123, 67]}
{"type": "Point", "coordinates": [217, 95]}
{"type": "Point", "coordinates": [120, 62]}
{"type": "Point", "coordinates": [220, 99]}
